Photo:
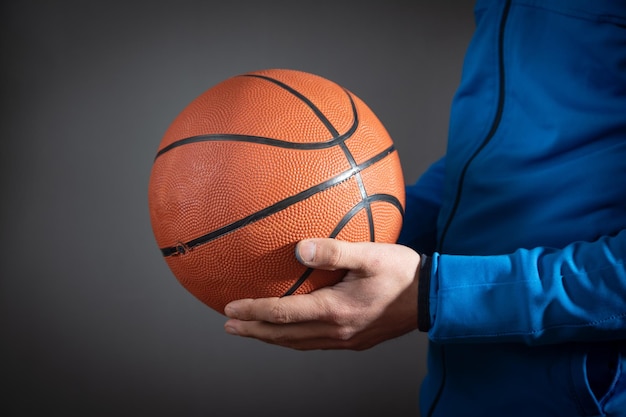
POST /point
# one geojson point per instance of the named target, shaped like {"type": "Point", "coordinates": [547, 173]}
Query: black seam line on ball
{"type": "Point", "coordinates": [359, 181]}
{"type": "Point", "coordinates": [322, 117]}
{"type": "Point", "coordinates": [365, 204]}
{"type": "Point", "coordinates": [304, 99]}
{"type": "Point", "coordinates": [182, 248]}
{"type": "Point", "coordinates": [299, 282]}
{"type": "Point", "coordinates": [261, 140]}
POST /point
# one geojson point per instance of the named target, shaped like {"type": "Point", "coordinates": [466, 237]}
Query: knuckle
{"type": "Point", "coordinates": [374, 260]}
{"type": "Point", "coordinates": [338, 317]}
{"type": "Point", "coordinates": [279, 338]}
{"type": "Point", "coordinates": [278, 314]}
{"type": "Point", "coordinates": [356, 343]}
{"type": "Point", "coordinates": [333, 256]}
{"type": "Point", "coordinates": [344, 334]}
{"type": "Point", "coordinates": [335, 313]}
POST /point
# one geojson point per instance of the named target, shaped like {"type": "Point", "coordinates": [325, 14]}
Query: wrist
{"type": "Point", "coordinates": [423, 293]}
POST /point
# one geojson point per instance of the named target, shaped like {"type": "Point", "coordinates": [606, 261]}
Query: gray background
{"type": "Point", "coordinates": [92, 322]}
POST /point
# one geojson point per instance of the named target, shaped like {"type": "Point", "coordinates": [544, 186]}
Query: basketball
{"type": "Point", "coordinates": [259, 162]}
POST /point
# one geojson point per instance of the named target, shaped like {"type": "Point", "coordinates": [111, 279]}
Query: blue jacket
{"type": "Point", "coordinates": [525, 218]}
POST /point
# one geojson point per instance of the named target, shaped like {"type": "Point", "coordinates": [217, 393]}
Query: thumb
{"type": "Point", "coordinates": [331, 254]}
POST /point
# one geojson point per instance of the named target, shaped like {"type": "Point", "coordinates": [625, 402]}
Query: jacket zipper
{"type": "Point", "coordinates": [494, 126]}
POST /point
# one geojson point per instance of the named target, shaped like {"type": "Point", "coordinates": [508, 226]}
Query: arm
{"type": "Point", "coordinates": [536, 296]}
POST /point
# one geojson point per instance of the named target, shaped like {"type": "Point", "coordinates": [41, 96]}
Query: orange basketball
{"type": "Point", "coordinates": [259, 162]}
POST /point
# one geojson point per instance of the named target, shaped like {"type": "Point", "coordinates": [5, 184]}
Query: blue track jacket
{"type": "Point", "coordinates": [525, 218]}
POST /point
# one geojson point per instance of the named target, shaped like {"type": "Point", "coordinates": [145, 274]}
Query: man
{"type": "Point", "coordinates": [514, 243]}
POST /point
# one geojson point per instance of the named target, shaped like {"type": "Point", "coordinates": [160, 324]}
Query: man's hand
{"type": "Point", "coordinates": [376, 300]}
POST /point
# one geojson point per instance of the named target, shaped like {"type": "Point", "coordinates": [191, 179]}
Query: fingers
{"type": "Point", "coordinates": [376, 300]}
{"type": "Point", "coordinates": [292, 309]}
{"type": "Point", "coordinates": [309, 336]}
{"type": "Point", "coordinates": [331, 254]}
{"type": "Point", "coordinates": [303, 322]}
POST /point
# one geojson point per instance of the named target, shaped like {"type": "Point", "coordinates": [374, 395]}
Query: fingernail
{"type": "Point", "coordinates": [306, 252]}
{"type": "Point", "coordinates": [230, 311]}
{"type": "Point", "coordinates": [231, 330]}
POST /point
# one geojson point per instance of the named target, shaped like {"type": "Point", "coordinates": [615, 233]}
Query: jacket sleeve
{"type": "Point", "coordinates": [423, 201]}
{"type": "Point", "coordinates": [536, 296]}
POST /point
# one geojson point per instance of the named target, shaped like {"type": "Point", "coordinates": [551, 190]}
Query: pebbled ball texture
{"type": "Point", "coordinates": [257, 163]}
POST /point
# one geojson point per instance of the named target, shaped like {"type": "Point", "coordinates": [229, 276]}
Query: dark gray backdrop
{"type": "Point", "coordinates": [92, 322]}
